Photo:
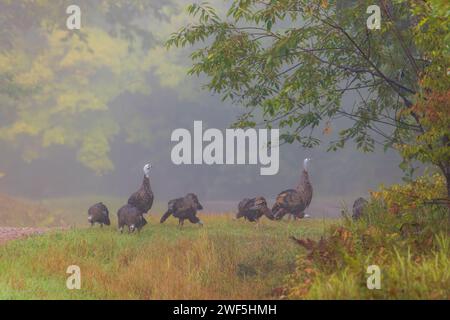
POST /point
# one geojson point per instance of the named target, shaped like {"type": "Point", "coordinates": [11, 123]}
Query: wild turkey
{"type": "Point", "coordinates": [295, 201]}
{"type": "Point", "coordinates": [131, 217]}
{"type": "Point", "coordinates": [143, 198]}
{"type": "Point", "coordinates": [184, 209]}
{"type": "Point", "coordinates": [358, 208]}
{"type": "Point", "coordinates": [253, 209]}
{"type": "Point", "coordinates": [98, 213]}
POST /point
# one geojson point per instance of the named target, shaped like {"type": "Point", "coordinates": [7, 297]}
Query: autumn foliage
{"type": "Point", "coordinates": [402, 198]}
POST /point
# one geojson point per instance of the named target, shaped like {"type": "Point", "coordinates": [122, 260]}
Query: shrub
{"type": "Point", "coordinates": [402, 234]}
{"type": "Point", "coordinates": [406, 197]}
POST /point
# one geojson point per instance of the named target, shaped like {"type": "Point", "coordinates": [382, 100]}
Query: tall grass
{"type": "Point", "coordinates": [403, 277]}
{"type": "Point", "coordinates": [412, 251]}
{"type": "Point", "coordinates": [226, 259]}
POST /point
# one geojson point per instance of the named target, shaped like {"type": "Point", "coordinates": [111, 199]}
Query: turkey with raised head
{"type": "Point", "coordinates": [295, 201]}
{"type": "Point", "coordinates": [143, 198]}
{"type": "Point", "coordinates": [253, 209]}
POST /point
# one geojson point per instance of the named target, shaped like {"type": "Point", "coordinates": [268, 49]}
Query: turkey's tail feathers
{"type": "Point", "coordinates": [275, 208]}
{"type": "Point", "coordinates": [277, 212]}
{"type": "Point", "coordinates": [165, 216]}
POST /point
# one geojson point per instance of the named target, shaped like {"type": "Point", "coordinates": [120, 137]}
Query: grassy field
{"type": "Point", "coordinates": [226, 259]}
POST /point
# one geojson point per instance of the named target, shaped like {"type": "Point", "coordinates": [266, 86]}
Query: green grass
{"type": "Point", "coordinates": [232, 259]}
{"type": "Point", "coordinates": [226, 259]}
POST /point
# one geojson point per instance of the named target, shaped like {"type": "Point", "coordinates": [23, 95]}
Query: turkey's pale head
{"type": "Point", "coordinates": [306, 163]}
{"type": "Point", "coordinates": [147, 168]}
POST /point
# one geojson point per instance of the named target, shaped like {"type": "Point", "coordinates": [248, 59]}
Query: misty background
{"type": "Point", "coordinates": [144, 95]}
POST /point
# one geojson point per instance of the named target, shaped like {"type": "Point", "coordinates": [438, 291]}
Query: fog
{"type": "Point", "coordinates": [167, 99]}
{"type": "Point", "coordinates": [343, 173]}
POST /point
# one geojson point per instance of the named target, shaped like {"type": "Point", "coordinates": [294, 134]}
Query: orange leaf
{"type": "Point", "coordinates": [327, 129]}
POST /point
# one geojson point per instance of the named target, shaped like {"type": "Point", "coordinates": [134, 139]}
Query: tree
{"type": "Point", "coordinates": [432, 107]}
{"type": "Point", "coordinates": [56, 84]}
{"type": "Point", "coordinates": [291, 63]}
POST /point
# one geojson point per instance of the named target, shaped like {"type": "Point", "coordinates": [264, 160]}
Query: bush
{"type": "Point", "coordinates": [406, 238]}
{"type": "Point", "coordinates": [406, 197]}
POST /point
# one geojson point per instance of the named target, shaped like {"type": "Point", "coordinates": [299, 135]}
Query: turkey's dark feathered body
{"type": "Point", "coordinates": [358, 208]}
{"type": "Point", "coordinates": [288, 201]}
{"type": "Point", "coordinates": [253, 209]}
{"type": "Point", "coordinates": [143, 198]}
{"type": "Point", "coordinates": [294, 201]}
{"type": "Point", "coordinates": [183, 209]}
{"type": "Point", "coordinates": [98, 213]}
{"type": "Point", "coordinates": [131, 217]}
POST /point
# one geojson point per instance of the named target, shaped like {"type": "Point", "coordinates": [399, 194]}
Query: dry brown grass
{"type": "Point", "coordinates": [17, 212]}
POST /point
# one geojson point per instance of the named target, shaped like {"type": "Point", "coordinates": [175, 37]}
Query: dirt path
{"type": "Point", "coordinates": [8, 233]}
